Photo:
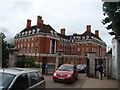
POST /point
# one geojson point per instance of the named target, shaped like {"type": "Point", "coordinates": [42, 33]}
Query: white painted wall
{"type": "Point", "coordinates": [115, 59]}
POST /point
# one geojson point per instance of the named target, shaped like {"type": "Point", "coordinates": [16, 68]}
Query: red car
{"type": "Point", "coordinates": [66, 73]}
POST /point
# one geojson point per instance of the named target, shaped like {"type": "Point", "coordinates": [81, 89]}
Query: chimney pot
{"type": "Point", "coordinates": [88, 27]}
{"type": "Point", "coordinates": [96, 32]}
{"type": "Point", "coordinates": [28, 23]}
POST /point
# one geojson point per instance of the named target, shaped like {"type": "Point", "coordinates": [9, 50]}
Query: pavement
{"type": "Point", "coordinates": [91, 82]}
{"type": "Point", "coordinates": [104, 83]}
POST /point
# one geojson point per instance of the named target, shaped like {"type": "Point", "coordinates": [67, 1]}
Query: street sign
{"type": "Point", "coordinates": [46, 65]}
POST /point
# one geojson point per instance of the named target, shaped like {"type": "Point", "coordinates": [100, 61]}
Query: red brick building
{"type": "Point", "coordinates": [42, 40]}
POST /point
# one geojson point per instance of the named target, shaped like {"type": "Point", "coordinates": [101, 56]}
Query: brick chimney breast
{"type": "Point", "coordinates": [28, 23]}
{"type": "Point", "coordinates": [39, 20]}
{"type": "Point", "coordinates": [88, 28]}
{"type": "Point", "coordinates": [63, 31]}
{"type": "Point", "coordinates": [97, 33]}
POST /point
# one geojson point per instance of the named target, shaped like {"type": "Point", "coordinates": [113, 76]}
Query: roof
{"type": "Point", "coordinates": [17, 71]}
{"type": "Point", "coordinates": [88, 33]}
{"type": "Point", "coordinates": [36, 29]}
{"type": "Point", "coordinates": [43, 28]}
{"type": "Point", "coordinates": [68, 64]}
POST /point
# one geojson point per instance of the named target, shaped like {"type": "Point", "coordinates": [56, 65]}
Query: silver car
{"type": "Point", "coordinates": [21, 78]}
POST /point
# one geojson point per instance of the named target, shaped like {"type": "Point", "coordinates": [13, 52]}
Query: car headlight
{"type": "Point", "coordinates": [69, 76]}
{"type": "Point", "coordinates": [54, 74]}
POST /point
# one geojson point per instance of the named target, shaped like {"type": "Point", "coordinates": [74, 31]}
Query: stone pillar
{"type": "Point", "coordinates": [13, 57]}
{"type": "Point", "coordinates": [108, 65]}
{"type": "Point", "coordinates": [91, 68]}
{"type": "Point", "coordinates": [56, 63]}
{"type": "Point", "coordinates": [59, 59]}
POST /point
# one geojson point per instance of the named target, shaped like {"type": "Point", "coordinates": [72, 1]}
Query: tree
{"type": "Point", "coordinates": [5, 50]}
{"type": "Point", "coordinates": [112, 12]}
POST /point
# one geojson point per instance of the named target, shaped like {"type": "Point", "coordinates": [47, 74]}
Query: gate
{"type": "Point", "coordinates": [87, 67]}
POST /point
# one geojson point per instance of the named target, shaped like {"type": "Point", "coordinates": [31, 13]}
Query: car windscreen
{"type": "Point", "coordinates": [65, 68]}
{"type": "Point", "coordinates": [5, 80]}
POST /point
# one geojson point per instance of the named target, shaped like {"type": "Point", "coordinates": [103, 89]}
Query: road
{"type": "Point", "coordinates": [79, 83]}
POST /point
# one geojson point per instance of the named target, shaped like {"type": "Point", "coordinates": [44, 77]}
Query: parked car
{"type": "Point", "coordinates": [21, 79]}
{"type": "Point", "coordinates": [66, 73]}
{"type": "Point", "coordinates": [81, 68]}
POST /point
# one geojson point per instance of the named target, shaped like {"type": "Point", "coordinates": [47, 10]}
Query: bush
{"type": "Point", "coordinates": [30, 61]}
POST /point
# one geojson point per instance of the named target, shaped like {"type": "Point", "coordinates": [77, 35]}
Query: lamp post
{"type": "Point", "coordinates": [0, 50]}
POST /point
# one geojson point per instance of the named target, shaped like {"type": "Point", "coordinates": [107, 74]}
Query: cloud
{"type": "Point", "coordinates": [73, 15]}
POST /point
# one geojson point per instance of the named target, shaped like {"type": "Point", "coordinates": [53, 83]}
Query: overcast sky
{"type": "Point", "coordinates": [73, 15]}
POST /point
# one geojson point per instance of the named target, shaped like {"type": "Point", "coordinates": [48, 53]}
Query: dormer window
{"type": "Point", "coordinates": [87, 37]}
{"type": "Point", "coordinates": [38, 30]}
{"type": "Point", "coordinates": [22, 33]}
{"type": "Point", "coordinates": [29, 32]}
{"type": "Point", "coordinates": [72, 40]}
{"type": "Point", "coordinates": [83, 37]}
{"type": "Point", "coordinates": [51, 32]}
{"type": "Point", "coordinates": [74, 37]}
{"type": "Point", "coordinates": [33, 31]}
{"type": "Point", "coordinates": [55, 33]}
{"type": "Point", "coordinates": [26, 33]}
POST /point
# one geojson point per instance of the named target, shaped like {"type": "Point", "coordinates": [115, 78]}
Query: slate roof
{"type": "Point", "coordinates": [47, 29]}
{"type": "Point", "coordinates": [42, 28]}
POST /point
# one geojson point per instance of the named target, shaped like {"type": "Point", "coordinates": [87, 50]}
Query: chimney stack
{"type": "Point", "coordinates": [97, 33]}
{"type": "Point", "coordinates": [74, 34]}
{"type": "Point", "coordinates": [39, 20]}
{"type": "Point", "coordinates": [63, 31]}
{"type": "Point", "coordinates": [88, 27]}
{"type": "Point", "coordinates": [28, 23]}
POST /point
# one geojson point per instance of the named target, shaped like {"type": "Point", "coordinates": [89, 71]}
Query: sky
{"type": "Point", "coordinates": [73, 15]}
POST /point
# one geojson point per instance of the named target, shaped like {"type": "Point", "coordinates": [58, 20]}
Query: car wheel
{"type": "Point", "coordinates": [55, 81]}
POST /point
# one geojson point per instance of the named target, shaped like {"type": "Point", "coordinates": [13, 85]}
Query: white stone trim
{"type": "Point", "coordinates": [47, 35]}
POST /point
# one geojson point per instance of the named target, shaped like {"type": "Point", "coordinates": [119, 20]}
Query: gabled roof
{"type": "Point", "coordinates": [88, 33]}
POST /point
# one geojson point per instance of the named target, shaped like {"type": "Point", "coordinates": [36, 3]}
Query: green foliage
{"type": "Point", "coordinates": [112, 10]}
{"type": "Point", "coordinates": [5, 50]}
{"type": "Point", "coordinates": [30, 61]}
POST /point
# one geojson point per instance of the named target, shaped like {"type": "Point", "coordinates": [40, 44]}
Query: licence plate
{"type": "Point", "coordinates": [60, 78]}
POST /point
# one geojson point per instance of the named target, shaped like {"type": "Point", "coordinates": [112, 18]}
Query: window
{"type": "Point", "coordinates": [18, 45]}
{"type": "Point", "coordinates": [28, 45]}
{"type": "Point", "coordinates": [40, 77]}
{"type": "Point", "coordinates": [32, 44]}
{"type": "Point", "coordinates": [33, 78]}
{"type": "Point", "coordinates": [66, 61]}
{"type": "Point", "coordinates": [87, 37]}
{"type": "Point", "coordinates": [83, 37]}
{"type": "Point", "coordinates": [87, 49]}
{"type": "Point", "coordinates": [21, 82]}
{"type": "Point", "coordinates": [32, 39]}
{"type": "Point", "coordinates": [6, 80]}
{"type": "Point", "coordinates": [51, 59]}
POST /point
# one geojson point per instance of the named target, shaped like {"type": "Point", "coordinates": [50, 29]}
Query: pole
{"type": "Point", "coordinates": [0, 58]}
{"type": "Point", "coordinates": [0, 50]}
